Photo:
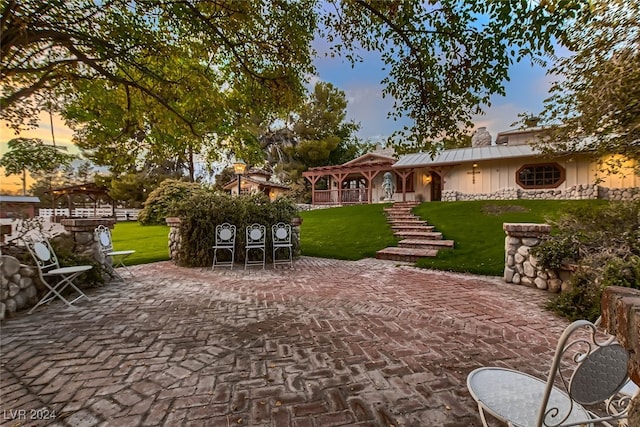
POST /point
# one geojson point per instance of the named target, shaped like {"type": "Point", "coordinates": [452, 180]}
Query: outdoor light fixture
{"type": "Point", "coordinates": [426, 179]}
{"type": "Point", "coordinates": [474, 172]}
{"type": "Point", "coordinates": [239, 167]}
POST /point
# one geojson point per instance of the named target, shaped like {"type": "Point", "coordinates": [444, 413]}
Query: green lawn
{"type": "Point", "coordinates": [351, 232]}
{"type": "Point", "coordinates": [151, 242]}
{"type": "Point", "coordinates": [476, 228]}
{"type": "Point", "coordinates": [356, 232]}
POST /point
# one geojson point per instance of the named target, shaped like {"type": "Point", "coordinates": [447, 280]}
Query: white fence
{"type": "Point", "coordinates": [121, 214]}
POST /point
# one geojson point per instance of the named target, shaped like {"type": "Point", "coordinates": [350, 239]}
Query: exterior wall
{"type": "Point", "coordinates": [496, 179]}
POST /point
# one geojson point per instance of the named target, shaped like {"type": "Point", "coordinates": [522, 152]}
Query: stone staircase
{"type": "Point", "coordinates": [419, 239]}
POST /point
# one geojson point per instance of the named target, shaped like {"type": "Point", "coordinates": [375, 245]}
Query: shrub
{"type": "Point", "coordinates": [604, 243]}
{"type": "Point", "coordinates": [201, 213]}
{"type": "Point", "coordinates": [64, 245]}
{"type": "Point", "coordinates": [162, 201]}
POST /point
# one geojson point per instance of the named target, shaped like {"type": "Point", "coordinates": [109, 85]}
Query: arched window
{"type": "Point", "coordinates": [543, 175]}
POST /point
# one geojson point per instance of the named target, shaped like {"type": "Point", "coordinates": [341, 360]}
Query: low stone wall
{"type": "Point", "coordinates": [19, 285]}
{"type": "Point", "coordinates": [577, 192]}
{"type": "Point", "coordinates": [521, 268]}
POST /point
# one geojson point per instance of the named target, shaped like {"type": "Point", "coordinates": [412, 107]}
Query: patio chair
{"type": "Point", "coordinates": [256, 242]}
{"type": "Point", "coordinates": [103, 236]}
{"type": "Point", "coordinates": [281, 239]}
{"type": "Point", "coordinates": [599, 372]}
{"type": "Point", "coordinates": [226, 241]}
{"type": "Point", "coordinates": [54, 277]}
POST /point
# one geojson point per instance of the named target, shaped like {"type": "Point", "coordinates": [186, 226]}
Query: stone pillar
{"type": "Point", "coordinates": [621, 317]}
{"type": "Point", "coordinates": [175, 239]}
{"type": "Point", "coordinates": [82, 231]}
{"type": "Point", "coordinates": [521, 268]}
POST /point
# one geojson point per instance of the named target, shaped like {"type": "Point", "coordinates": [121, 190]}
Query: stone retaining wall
{"type": "Point", "coordinates": [19, 285]}
{"type": "Point", "coordinates": [577, 192]}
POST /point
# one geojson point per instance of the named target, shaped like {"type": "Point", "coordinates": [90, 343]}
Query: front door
{"type": "Point", "coordinates": [436, 187]}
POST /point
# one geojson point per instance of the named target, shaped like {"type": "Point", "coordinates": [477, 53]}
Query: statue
{"type": "Point", "coordinates": [387, 186]}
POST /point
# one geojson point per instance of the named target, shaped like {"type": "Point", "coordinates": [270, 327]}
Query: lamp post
{"type": "Point", "coordinates": [239, 168]}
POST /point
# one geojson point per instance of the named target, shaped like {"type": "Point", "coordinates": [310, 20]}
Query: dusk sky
{"type": "Point", "coordinates": [525, 93]}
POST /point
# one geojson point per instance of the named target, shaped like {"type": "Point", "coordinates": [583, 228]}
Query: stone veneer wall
{"type": "Point", "coordinates": [577, 192]}
{"type": "Point", "coordinates": [621, 317]}
{"type": "Point", "coordinates": [521, 268]}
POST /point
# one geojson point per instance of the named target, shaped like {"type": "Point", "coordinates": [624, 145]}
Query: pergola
{"type": "Point", "coordinates": [366, 167]}
{"type": "Point", "coordinates": [91, 190]}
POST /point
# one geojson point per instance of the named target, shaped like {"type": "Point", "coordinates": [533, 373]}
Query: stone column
{"type": "Point", "coordinates": [521, 268]}
{"type": "Point", "coordinates": [82, 231]}
{"type": "Point", "coordinates": [621, 317]}
{"type": "Point", "coordinates": [175, 239]}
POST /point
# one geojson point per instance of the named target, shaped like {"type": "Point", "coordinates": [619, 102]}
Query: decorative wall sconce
{"type": "Point", "coordinates": [426, 179]}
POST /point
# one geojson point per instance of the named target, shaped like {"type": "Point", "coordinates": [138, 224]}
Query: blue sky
{"type": "Point", "coordinates": [525, 93]}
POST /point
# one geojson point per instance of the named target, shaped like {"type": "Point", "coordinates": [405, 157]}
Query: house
{"type": "Point", "coordinates": [257, 181]}
{"type": "Point", "coordinates": [18, 206]}
{"type": "Point", "coordinates": [511, 169]}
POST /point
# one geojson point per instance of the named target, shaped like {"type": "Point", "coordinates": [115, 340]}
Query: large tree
{"type": "Point", "coordinates": [595, 104]}
{"type": "Point", "coordinates": [444, 59]}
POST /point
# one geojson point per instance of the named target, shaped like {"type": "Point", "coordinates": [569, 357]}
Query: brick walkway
{"type": "Point", "coordinates": [329, 343]}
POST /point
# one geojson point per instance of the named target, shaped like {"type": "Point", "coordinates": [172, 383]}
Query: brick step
{"type": "Point", "coordinates": [398, 211]}
{"type": "Point", "coordinates": [432, 235]}
{"type": "Point", "coordinates": [425, 243]}
{"type": "Point", "coordinates": [402, 228]}
{"type": "Point", "coordinates": [407, 223]}
{"type": "Point", "coordinates": [405, 254]}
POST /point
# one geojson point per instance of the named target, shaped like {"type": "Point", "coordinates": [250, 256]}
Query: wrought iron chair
{"type": "Point", "coordinates": [103, 236]}
{"type": "Point", "coordinates": [54, 277]}
{"type": "Point", "coordinates": [519, 399]}
{"type": "Point", "coordinates": [281, 239]}
{"type": "Point", "coordinates": [225, 240]}
{"type": "Point", "coordinates": [256, 241]}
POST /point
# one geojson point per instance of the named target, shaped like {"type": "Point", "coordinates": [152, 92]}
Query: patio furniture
{"type": "Point", "coordinates": [281, 239]}
{"type": "Point", "coordinates": [103, 236]}
{"type": "Point", "coordinates": [54, 277]}
{"type": "Point", "coordinates": [225, 241]}
{"type": "Point", "coordinates": [256, 242]}
{"type": "Point", "coordinates": [599, 372]}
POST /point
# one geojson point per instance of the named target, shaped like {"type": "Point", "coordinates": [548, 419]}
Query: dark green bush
{"type": "Point", "coordinates": [604, 243]}
{"type": "Point", "coordinates": [201, 213]}
{"type": "Point", "coordinates": [162, 201]}
{"type": "Point", "coordinates": [63, 245]}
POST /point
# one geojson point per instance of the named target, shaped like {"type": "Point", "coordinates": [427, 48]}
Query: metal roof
{"type": "Point", "coordinates": [19, 199]}
{"type": "Point", "coordinates": [461, 155]}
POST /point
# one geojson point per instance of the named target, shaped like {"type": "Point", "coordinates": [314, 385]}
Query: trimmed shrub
{"type": "Point", "coordinates": [162, 201]}
{"type": "Point", "coordinates": [201, 213]}
{"type": "Point", "coordinates": [604, 243]}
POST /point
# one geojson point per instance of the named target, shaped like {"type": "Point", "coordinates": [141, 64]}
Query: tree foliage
{"type": "Point", "coordinates": [32, 155]}
{"type": "Point", "coordinates": [595, 104]}
{"type": "Point", "coordinates": [151, 78]}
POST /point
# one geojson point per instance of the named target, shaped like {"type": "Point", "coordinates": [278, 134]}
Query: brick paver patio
{"type": "Point", "coordinates": [329, 343]}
